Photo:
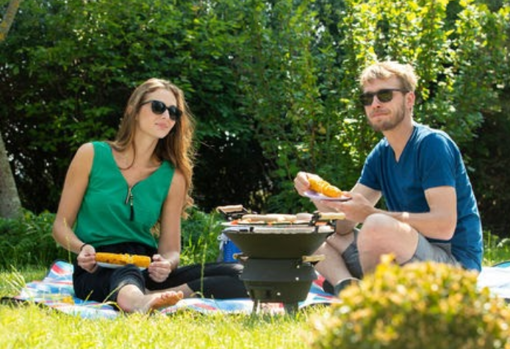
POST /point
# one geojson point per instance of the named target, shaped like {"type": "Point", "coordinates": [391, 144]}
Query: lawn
{"type": "Point", "coordinates": [34, 327]}
{"type": "Point", "coordinates": [30, 326]}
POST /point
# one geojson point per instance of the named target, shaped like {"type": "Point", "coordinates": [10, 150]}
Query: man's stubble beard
{"type": "Point", "coordinates": [393, 122]}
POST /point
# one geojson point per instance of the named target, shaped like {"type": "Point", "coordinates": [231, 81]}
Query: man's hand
{"type": "Point", "coordinates": [356, 210]}
{"type": "Point", "coordinates": [301, 182]}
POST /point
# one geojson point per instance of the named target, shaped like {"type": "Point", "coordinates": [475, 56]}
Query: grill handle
{"type": "Point", "coordinates": [241, 257]}
{"type": "Point", "coordinates": [230, 208]}
{"type": "Point", "coordinates": [232, 211]}
{"type": "Point", "coordinates": [313, 259]}
{"type": "Point", "coordinates": [328, 216]}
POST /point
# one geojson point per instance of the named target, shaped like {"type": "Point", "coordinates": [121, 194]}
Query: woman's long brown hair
{"type": "Point", "coordinates": [177, 146]}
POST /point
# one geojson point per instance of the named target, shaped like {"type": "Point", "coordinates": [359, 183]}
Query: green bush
{"type": "Point", "coordinates": [28, 241]}
{"type": "Point", "coordinates": [420, 305]}
{"type": "Point", "coordinates": [200, 237]}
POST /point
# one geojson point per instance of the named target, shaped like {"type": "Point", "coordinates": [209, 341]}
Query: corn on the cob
{"type": "Point", "coordinates": [321, 186]}
{"type": "Point", "coordinates": [123, 259]}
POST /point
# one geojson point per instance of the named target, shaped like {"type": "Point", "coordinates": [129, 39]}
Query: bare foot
{"type": "Point", "coordinates": [164, 299]}
{"type": "Point", "coordinates": [131, 299]}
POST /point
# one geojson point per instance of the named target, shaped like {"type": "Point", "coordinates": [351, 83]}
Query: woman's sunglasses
{"type": "Point", "coordinates": [384, 96]}
{"type": "Point", "coordinates": [159, 108]}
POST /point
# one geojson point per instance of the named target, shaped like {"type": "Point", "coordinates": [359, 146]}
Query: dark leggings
{"type": "Point", "coordinates": [211, 280]}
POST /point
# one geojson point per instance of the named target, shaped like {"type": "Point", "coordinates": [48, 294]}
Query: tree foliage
{"type": "Point", "coordinates": [72, 65]}
{"type": "Point", "coordinates": [303, 60]}
{"type": "Point", "coordinates": [273, 84]}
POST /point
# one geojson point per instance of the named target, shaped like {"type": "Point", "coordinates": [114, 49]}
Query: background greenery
{"type": "Point", "coordinates": [27, 242]}
{"type": "Point", "coordinates": [272, 84]}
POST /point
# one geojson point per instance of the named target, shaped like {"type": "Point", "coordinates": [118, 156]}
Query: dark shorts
{"type": "Point", "coordinates": [425, 251]}
{"type": "Point", "coordinates": [211, 280]}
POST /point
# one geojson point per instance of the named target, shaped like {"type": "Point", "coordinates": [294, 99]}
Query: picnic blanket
{"type": "Point", "coordinates": [56, 291]}
{"type": "Point", "coordinates": [496, 279]}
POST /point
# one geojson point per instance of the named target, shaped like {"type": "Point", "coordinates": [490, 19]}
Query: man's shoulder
{"type": "Point", "coordinates": [426, 134]}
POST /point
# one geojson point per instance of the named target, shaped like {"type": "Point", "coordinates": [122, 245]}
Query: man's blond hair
{"type": "Point", "coordinates": [385, 70]}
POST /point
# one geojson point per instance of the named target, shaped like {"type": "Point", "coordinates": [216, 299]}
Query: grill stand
{"type": "Point", "coordinates": [285, 281]}
{"type": "Point", "coordinates": [278, 267]}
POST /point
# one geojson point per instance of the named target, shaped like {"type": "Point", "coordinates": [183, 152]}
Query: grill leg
{"type": "Point", "coordinates": [291, 308]}
{"type": "Point", "coordinates": [256, 307]}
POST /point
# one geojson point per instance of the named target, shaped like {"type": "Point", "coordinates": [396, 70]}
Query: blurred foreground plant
{"type": "Point", "coordinates": [420, 305]}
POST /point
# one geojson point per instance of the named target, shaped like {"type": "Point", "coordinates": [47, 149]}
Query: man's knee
{"type": "Point", "coordinates": [377, 222]}
{"type": "Point", "coordinates": [376, 227]}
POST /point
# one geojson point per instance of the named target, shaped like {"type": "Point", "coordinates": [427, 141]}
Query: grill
{"type": "Point", "coordinates": [277, 258]}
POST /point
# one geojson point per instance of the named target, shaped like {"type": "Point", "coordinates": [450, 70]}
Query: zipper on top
{"type": "Point", "coordinates": [129, 200]}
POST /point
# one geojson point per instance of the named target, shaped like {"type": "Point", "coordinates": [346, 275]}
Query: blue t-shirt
{"type": "Point", "coordinates": [430, 159]}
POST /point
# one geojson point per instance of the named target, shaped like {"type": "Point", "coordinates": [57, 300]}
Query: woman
{"type": "Point", "coordinates": [116, 193]}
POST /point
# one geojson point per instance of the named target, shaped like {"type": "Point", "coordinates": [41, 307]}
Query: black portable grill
{"type": "Point", "coordinates": [278, 259]}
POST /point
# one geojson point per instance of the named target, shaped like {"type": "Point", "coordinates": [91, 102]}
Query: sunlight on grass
{"type": "Point", "coordinates": [14, 280]}
{"type": "Point", "coordinates": [32, 326]}
{"type": "Point", "coordinates": [496, 250]}
{"type": "Point", "coordinates": [40, 327]}
{"type": "Point", "coordinates": [43, 328]}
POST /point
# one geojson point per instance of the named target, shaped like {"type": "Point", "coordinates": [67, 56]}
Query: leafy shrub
{"type": "Point", "coordinates": [199, 237]}
{"type": "Point", "coordinates": [420, 305]}
{"type": "Point", "coordinates": [28, 241]}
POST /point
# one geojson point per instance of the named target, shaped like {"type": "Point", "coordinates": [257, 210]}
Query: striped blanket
{"type": "Point", "coordinates": [56, 291]}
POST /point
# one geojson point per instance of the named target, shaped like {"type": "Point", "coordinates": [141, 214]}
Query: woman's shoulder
{"type": "Point", "coordinates": [85, 150]}
{"type": "Point", "coordinates": [89, 150]}
{"type": "Point", "coordinates": [178, 174]}
{"type": "Point", "coordinates": [84, 157]}
{"type": "Point", "coordinates": [94, 147]}
{"type": "Point", "coordinates": [178, 180]}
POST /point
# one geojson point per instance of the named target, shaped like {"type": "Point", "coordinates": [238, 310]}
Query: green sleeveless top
{"type": "Point", "coordinates": [111, 212]}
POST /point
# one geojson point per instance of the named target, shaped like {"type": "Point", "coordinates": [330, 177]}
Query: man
{"type": "Point", "coordinates": [432, 212]}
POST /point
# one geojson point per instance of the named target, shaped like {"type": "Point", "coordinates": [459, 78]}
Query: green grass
{"type": "Point", "coordinates": [31, 326]}
{"type": "Point", "coordinates": [496, 249]}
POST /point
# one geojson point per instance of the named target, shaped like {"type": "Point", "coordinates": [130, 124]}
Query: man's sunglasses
{"type": "Point", "coordinates": [384, 96]}
{"type": "Point", "coordinates": [159, 108]}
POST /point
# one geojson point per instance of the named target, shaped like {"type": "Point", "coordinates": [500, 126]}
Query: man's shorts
{"type": "Point", "coordinates": [425, 251]}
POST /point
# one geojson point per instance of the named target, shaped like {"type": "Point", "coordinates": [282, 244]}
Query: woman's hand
{"type": "Point", "coordinates": [160, 268]}
{"type": "Point", "coordinates": [87, 258]}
